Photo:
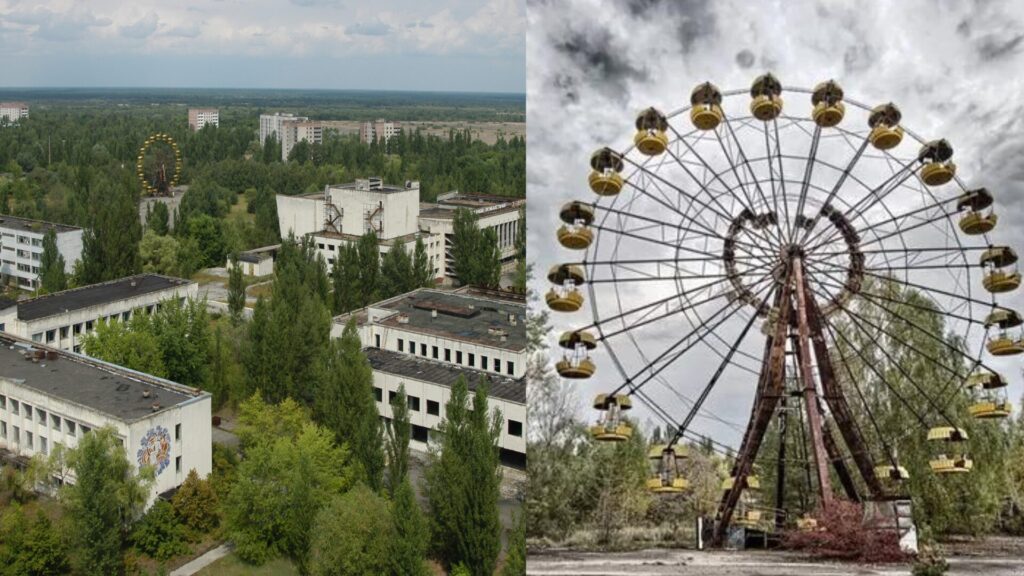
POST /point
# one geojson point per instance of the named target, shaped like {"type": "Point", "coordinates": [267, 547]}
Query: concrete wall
{"type": "Point", "coordinates": [300, 215]}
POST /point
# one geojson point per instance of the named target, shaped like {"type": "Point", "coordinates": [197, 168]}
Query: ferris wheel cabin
{"type": "Point", "coordinates": [605, 176]}
{"type": "Point", "coordinates": [827, 99]}
{"type": "Point", "coordinates": [565, 295]}
{"type": "Point", "coordinates": [766, 102]}
{"type": "Point", "coordinates": [938, 166]}
{"type": "Point", "coordinates": [666, 476]}
{"type": "Point", "coordinates": [1001, 274]}
{"type": "Point", "coordinates": [575, 233]}
{"type": "Point", "coordinates": [1003, 343]}
{"type": "Point", "coordinates": [948, 454]}
{"type": "Point", "coordinates": [651, 138]}
{"type": "Point", "coordinates": [975, 219]}
{"type": "Point", "coordinates": [611, 426]}
{"type": "Point", "coordinates": [988, 396]}
{"type": "Point", "coordinates": [884, 122]}
{"type": "Point", "coordinates": [576, 363]}
{"type": "Point", "coordinates": [706, 106]}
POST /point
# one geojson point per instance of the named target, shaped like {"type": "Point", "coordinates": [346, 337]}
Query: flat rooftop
{"type": "Point", "coordinates": [105, 388]}
{"type": "Point", "coordinates": [409, 366]}
{"type": "Point", "coordinates": [96, 295]}
{"type": "Point", "coordinates": [37, 226]}
{"type": "Point", "coordinates": [460, 316]}
{"type": "Point", "coordinates": [374, 184]}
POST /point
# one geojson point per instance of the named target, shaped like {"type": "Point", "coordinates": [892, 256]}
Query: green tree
{"type": "Point", "coordinates": [236, 290]}
{"type": "Point", "coordinates": [159, 254]}
{"type": "Point", "coordinates": [130, 344]}
{"type": "Point", "coordinates": [208, 233]}
{"type": "Point", "coordinates": [399, 432]}
{"type": "Point", "coordinates": [463, 483]}
{"type": "Point", "coordinates": [106, 499]}
{"type": "Point", "coordinates": [396, 272]}
{"type": "Point", "coordinates": [515, 559]}
{"type": "Point", "coordinates": [346, 406]}
{"type": "Point", "coordinates": [370, 284]}
{"type": "Point", "coordinates": [271, 150]}
{"type": "Point", "coordinates": [476, 255]}
{"type": "Point", "coordinates": [51, 265]}
{"type": "Point", "coordinates": [158, 219]}
{"type": "Point", "coordinates": [183, 333]}
{"type": "Point", "coordinates": [159, 534]}
{"type": "Point", "coordinates": [422, 272]}
{"type": "Point", "coordinates": [352, 535]}
{"type": "Point", "coordinates": [31, 547]}
{"type": "Point", "coordinates": [345, 280]}
{"type": "Point", "coordinates": [411, 533]}
{"type": "Point", "coordinates": [196, 504]}
{"type": "Point", "coordinates": [110, 244]}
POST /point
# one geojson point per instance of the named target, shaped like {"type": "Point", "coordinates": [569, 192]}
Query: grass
{"type": "Point", "coordinates": [240, 211]}
{"type": "Point", "coordinates": [261, 290]}
{"type": "Point", "coordinates": [231, 565]}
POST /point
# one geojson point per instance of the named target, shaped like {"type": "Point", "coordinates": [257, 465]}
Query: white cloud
{"type": "Point", "coordinates": [142, 27]}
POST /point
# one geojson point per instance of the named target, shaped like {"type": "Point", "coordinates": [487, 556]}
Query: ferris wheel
{"type": "Point", "coordinates": [158, 165]}
{"type": "Point", "coordinates": [742, 238]}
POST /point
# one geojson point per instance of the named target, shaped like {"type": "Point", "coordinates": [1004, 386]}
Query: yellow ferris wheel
{"type": "Point", "coordinates": [159, 164]}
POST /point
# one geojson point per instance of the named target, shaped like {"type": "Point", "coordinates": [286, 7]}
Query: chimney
{"type": "Point", "coordinates": [155, 406]}
{"type": "Point", "coordinates": [146, 393]}
{"type": "Point", "coordinates": [512, 318]}
{"type": "Point", "coordinates": [433, 313]}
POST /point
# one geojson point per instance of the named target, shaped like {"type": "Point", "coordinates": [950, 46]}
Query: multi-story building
{"type": "Point", "coordinates": [380, 130]}
{"type": "Point", "coordinates": [21, 248]}
{"type": "Point", "coordinates": [199, 117]}
{"type": "Point", "coordinates": [61, 319]}
{"type": "Point", "coordinates": [12, 112]}
{"type": "Point", "coordinates": [289, 130]}
{"type": "Point", "coordinates": [428, 338]}
{"type": "Point", "coordinates": [51, 398]}
{"type": "Point", "coordinates": [344, 212]}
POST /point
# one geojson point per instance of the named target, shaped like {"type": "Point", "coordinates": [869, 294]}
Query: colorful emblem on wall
{"type": "Point", "coordinates": [155, 449]}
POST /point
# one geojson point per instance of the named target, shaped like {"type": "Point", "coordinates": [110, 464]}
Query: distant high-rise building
{"type": "Point", "coordinates": [380, 130]}
{"type": "Point", "coordinates": [289, 130]}
{"type": "Point", "coordinates": [199, 117]}
{"type": "Point", "coordinates": [13, 111]}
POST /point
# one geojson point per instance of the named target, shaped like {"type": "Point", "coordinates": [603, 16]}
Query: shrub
{"type": "Point", "coordinates": [460, 570]}
{"type": "Point", "coordinates": [842, 535]}
{"type": "Point", "coordinates": [195, 503]}
{"type": "Point", "coordinates": [159, 534]}
{"type": "Point", "coordinates": [352, 535]}
{"type": "Point", "coordinates": [930, 562]}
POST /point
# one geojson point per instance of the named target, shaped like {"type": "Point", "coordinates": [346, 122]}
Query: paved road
{"type": "Point", "coordinates": [691, 563]}
{"type": "Point", "coordinates": [203, 561]}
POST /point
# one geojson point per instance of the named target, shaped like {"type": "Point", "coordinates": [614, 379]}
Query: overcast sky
{"type": "Point", "coordinates": [449, 45]}
{"type": "Point", "coordinates": [953, 67]}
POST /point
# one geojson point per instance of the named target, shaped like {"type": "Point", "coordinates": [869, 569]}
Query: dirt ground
{"type": "Point", "coordinates": [1005, 558]}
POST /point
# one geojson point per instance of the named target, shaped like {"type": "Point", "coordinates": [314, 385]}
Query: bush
{"type": "Point", "coordinates": [842, 535]}
{"type": "Point", "coordinates": [195, 503]}
{"type": "Point", "coordinates": [352, 535]}
{"type": "Point", "coordinates": [930, 562]}
{"type": "Point", "coordinates": [159, 534]}
{"type": "Point", "coordinates": [460, 570]}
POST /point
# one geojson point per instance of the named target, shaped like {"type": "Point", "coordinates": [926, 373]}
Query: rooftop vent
{"type": "Point", "coordinates": [495, 331]}
{"type": "Point", "coordinates": [155, 406]}
{"type": "Point", "coordinates": [433, 313]}
{"type": "Point", "coordinates": [403, 318]}
{"type": "Point", "coordinates": [146, 393]}
{"type": "Point", "coordinates": [512, 318]}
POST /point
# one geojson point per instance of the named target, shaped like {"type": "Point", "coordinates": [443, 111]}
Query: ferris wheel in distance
{"type": "Point", "coordinates": [755, 234]}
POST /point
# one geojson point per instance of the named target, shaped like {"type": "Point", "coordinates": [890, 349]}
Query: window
{"type": "Point", "coordinates": [177, 464]}
{"type": "Point", "coordinates": [29, 440]}
{"type": "Point", "coordinates": [412, 347]}
{"type": "Point", "coordinates": [434, 352]}
{"type": "Point", "coordinates": [377, 340]}
{"type": "Point", "coordinates": [41, 417]}
{"type": "Point", "coordinates": [63, 331]}
{"type": "Point", "coordinates": [433, 408]}
{"type": "Point", "coordinates": [77, 328]}
{"type": "Point", "coordinates": [458, 356]}
{"type": "Point", "coordinates": [28, 412]}
{"type": "Point", "coordinates": [3, 429]}
{"type": "Point", "coordinates": [17, 434]}
{"type": "Point", "coordinates": [447, 354]}
{"type": "Point", "coordinates": [85, 429]}
{"type": "Point", "coordinates": [42, 446]}
{"type": "Point", "coordinates": [126, 315]}
{"type": "Point", "coordinates": [37, 337]}
{"type": "Point", "coordinates": [391, 397]}
{"type": "Point", "coordinates": [3, 402]}
{"type": "Point", "coordinates": [14, 407]}
{"type": "Point", "coordinates": [401, 345]}
{"type": "Point", "coordinates": [55, 421]}
{"type": "Point", "coordinates": [515, 428]}
{"type": "Point", "coordinates": [497, 365]}
{"type": "Point", "coordinates": [510, 367]}
{"type": "Point", "coordinates": [483, 362]}
{"type": "Point", "coordinates": [51, 335]}
{"type": "Point", "coordinates": [71, 427]}
{"type": "Point", "coordinates": [78, 348]}
{"type": "Point", "coordinates": [414, 403]}
{"type": "Point", "coordinates": [88, 325]}
{"type": "Point", "coordinates": [320, 245]}
{"type": "Point", "coordinates": [378, 394]}
{"type": "Point", "coordinates": [472, 360]}
{"type": "Point", "coordinates": [177, 431]}
{"type": "Point", "coordinates": [423, 349]}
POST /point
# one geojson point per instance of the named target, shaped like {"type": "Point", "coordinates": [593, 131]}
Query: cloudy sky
{"type": "Point", "coordinates": [952, 67]}
{"type": "Point", "coordinates": [450, 45]}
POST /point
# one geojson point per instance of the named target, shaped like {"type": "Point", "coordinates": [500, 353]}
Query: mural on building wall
{"type": "Point", "coordinates": [156, 449]}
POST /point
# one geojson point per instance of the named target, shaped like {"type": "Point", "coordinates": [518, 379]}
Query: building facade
{"type": "Point", "coordinates": [12, 112]}
{"type": "Point", "coordinates": [428, 338]}
{"type": "Point", "coordinates": [289, 130]}
{"type": "Point", "coordinates": [380, 130]}
{"type": "Point", "coordinates": [51, 398]}
{"type": "Point", "coordinates": [60, 320]}
{"type": "Point", "coordinates": [200, 117]}
{"type": "Point", "coordinates": [21, 248]}
{"type": "Point", "coordinates": [343, 213]}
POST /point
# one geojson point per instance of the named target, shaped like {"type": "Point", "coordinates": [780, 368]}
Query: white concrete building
{"type": "Point", "coordinates": [380, 130]}
{"type": "Point", "coordinates": [290, 130]}
{"type": "Point", "coordinates": [343, 213]}
{"type": "Point", "coordinates": [427, 338]}
{"type": "Point", "coordinates": [21, 248]}
{"type": "Point", "coordinates": [61, 319]}
{"type": "Point", "coordinates": [12, 112]}
{"type": "Point", "coordinates": [258, 261]}
{"type": "Point", "coordinates": [199, 117]}
{"type": "Point", "coordinates": [50, 397]}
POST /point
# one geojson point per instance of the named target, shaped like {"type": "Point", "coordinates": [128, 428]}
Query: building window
{"type": "Point", "coordinates": [3, 402]}
{"type": "Point", "coordinates": [391, 397]}
{"type": "Point", "coordinates": [378, 394]}
{"type": "Point", "coordinates": [447, 354]}
{"type": "Point", "coordinates": [85, 429]}
{"type": "Point", "coordinates": [63, 331]}
{"type": "Point", "coordinates": [458, 356]}
{"type": "Point", "coordinates": [51, 335]}
{"type": "Point", "coordinates": [29, 440]}
{"type": "Point", "coordinates": [77, 328]}
{"type": "Point", "coordinates": [88, 325]}
{"type": "Point", "coordinates": [177, 464]}
{"type": "Point", "coordinates": [433, 408]}
{"type": "Point", "coordinates": [412, 347]}
{"type": "Point", "coordinates": [510, 367]}
{"type": "Point", "coordinates": [41, 416]}
{"type": "Point", "coordinates": [414, 403]}
{"type": "Point", "coordinates": [472, 360]}
{"type": "Point", "coordinates": [515, 428]}
{"type": "Point", "coordinates": [28, 412]}
{"type": "Point", "coordinates": [497, 365]}
{"type": "Point", "coordinates": [42, 445]}
{"type": "Point", "coordinates": [126, 315]}
{"type": "Point", "coordinates": [14, 407]}
{"type": "Point", "coordinates": [17, 434]}
{"type": "Point", "coordinates": [55, 422]}
{"type": "Point", "coordinates": [37, 337]}
{"type": "Point", "coordinates": [3, 429]}
{"type": "Point", "coordinates": [71, 427]}
{"type": "Point", "coordinates": [483, 362]}
{"type": "Point", "coordinates": [434, 352]}
{"type": "Point", "coordinates": [78, 348]}
{"type": "Point", "coordinates": [401, 345]}
{"type": "Point", "coordinates": [377, 340]}
{"type": "Point", "coordinates": [423, 349]}
{"type": "Point", "coordinates": [177, 431]}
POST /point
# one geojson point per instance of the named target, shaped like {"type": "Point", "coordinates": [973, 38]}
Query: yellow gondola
{"type": "Point", "coordinates": [806, 524]}
{"type": "Point", "coordinates": [988, 396]}
{"type": "Point", "coordinates": [884, 121]}
{"type": "Point", "coordinates": [752, 483]}
{"type": "Point", "coordinates": [891, 473]}
{"type": "Point", "coordinates": [605, 175]}
{"type": "Point", "coordinates": [651, 138]}
{"type": "Point", "coordinates": [564, 296]}
{"type": "Point", "coordinates": [1001, 271]}
{"type": "Point", "coordinates": [938, 167]}
{"type": "Point", "coordinates": [975, 221]}
{"type": "Point", "coordinates": [766, 102]}
{"type": "Point", "coordinates": [575, 234]}
{"type": "Point", "coordinates": [706, 106]}
{"type": "Point", "coordinates": [666, 478]}
{"type": "Point", "coordinates": [610, 426]}
{"type": "Point", "coordinates": [948, 456]}
{"type": "Point", "coordinates": [827, 99]}
{"type": "Point", "coordinates": [576, 362]}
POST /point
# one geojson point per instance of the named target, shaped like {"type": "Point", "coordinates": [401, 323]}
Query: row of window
{"type": "Point", "coordinates": [470, 357]}
{"type": "Point", "coordinates": [16, 408]}
{"type": "Point", "coordinates": [515, 428]}
{"type": "Point", "coordinates": [51, 335]}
